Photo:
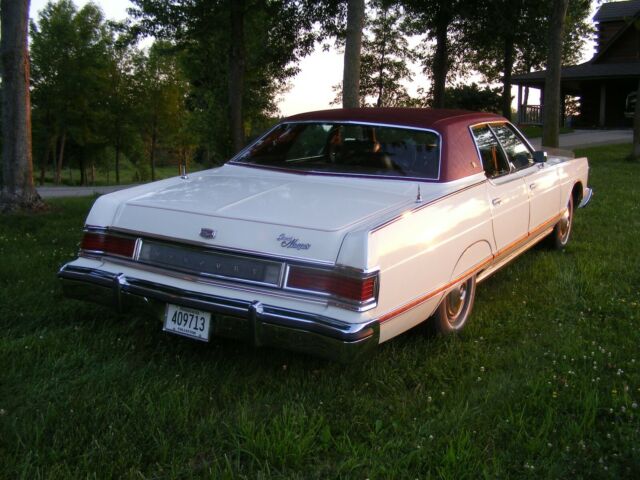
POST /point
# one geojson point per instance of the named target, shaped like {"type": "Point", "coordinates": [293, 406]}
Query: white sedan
{"type": "Point", "coordinates": [335, 231]}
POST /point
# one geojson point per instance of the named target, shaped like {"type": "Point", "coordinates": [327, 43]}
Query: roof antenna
{"type": "Point", "coordinates": [419, 196]}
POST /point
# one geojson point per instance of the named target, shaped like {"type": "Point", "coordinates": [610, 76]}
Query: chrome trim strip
{"type": "Point", "coordinates": [272, 291]}
{"type": "Point", "coordinates": [587, 198]}
{"type": "Point", "coordinates": [252, 321]}
{"type": "Point", "coordinates": [419, 207]}
{"type": "Point", "coordinates": [234, 160]}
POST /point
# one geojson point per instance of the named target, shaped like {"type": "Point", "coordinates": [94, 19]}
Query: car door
{"type": "Point", "coordinates": [542, 182]}
{"type": "Point", "coordinates": [506, 189]}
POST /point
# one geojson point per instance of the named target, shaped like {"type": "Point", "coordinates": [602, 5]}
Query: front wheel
{"type": "Point", "coordinates": [562, 231]}
{"type": "Point", "coordinates": [455, 308]}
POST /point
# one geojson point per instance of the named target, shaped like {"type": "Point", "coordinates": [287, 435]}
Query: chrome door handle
{"type": "Point", "coordinates": [496, 201]}
{"type": "Point", "coordinates": [532, 186]}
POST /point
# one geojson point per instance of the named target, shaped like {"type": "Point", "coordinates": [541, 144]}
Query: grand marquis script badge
{"type": "Point", "coordinates": [208, 233]}
{"type": "Point", "coordinates": [287, 241]}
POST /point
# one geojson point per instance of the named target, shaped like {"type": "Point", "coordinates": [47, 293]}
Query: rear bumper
{"type": "Point", "coordinates": [255, 322]}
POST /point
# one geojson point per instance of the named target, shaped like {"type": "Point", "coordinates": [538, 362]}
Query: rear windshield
{"type": "Point", "coordinates": [348, 148]}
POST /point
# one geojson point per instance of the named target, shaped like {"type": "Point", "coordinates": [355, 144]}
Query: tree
{"type": "Point", "coordinates": [231, 85]}
{"type": "Point", "coordinates": [441, 22]}
{"type": "Point", "coordinates": [551, 113]}
{"type": "Point", "coordinates": [161, 94]}
{"type": "Point", "coordinates": [508, 36]}
{"type": "Point", "coordinates": [71, 82]}
{"type": "Point", "coordinates": [123, 116]}
{"type": "Point", "coordinates": [352, 51]}
{"type": "Point", "coordinates": [18, 191]}
{"type": "Point", "coordinates": [384, 59]}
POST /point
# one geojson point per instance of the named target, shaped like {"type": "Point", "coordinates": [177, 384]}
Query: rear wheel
{"type": "Point", "coordinates": [562, 231]}
{"type": "Point", "coordinates": [455, 308]}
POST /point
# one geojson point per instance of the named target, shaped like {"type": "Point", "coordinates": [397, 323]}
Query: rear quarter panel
{"type": "Point", "coordinates": [426, 249]}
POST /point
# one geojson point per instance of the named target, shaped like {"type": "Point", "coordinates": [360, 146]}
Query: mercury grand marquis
{"type": "Point", "coordinates": [333, 232]}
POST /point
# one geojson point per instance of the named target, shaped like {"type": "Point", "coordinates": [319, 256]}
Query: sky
{"type": "Point", "coordinates": [311, 89]}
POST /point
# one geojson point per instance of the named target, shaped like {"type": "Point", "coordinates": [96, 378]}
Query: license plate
{"type": "Point", "coordinates": [187, 322]}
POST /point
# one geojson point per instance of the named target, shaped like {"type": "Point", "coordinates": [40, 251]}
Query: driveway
{"type": "Point", "coordinates": [590, 138]}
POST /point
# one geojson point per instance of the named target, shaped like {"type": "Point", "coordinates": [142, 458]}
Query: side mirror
{"type": "Point", "coordinates": [539, 156]}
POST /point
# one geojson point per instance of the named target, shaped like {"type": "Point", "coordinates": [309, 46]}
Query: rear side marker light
{"type": "Point", "coordinates": [109, 244]}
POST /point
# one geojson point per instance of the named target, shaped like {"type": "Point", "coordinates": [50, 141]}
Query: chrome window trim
{"type": "Point", "coordinates": [500, 122]}
{"type": "Point", "coordinates": [234, 160]}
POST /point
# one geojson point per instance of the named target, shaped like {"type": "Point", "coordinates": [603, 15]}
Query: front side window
{"type": "Point", "coordinates": [348, 148]}
{"type": "Point", "coordinates": [493, 158]}
{"type": "Point", "coordinates": [517, 152]}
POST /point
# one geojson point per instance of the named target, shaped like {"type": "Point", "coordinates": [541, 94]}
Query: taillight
{"type": "Point", "coordinates": [105, 243]}
{"type": "Point", "coordinates": [353, 288]}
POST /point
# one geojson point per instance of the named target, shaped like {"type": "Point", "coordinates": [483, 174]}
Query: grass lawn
{"type": "Point", "coordinates": [128, 174]}
{"type": "Point", "coordinates": [543, 383]}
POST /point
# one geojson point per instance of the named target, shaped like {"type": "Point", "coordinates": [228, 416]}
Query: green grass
{"type": "Point", "coordinates": [535, 131]}
{"type": "Point", "coordinates": [543, 383]}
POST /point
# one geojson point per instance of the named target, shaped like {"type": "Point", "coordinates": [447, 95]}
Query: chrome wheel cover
{"type": "Point", "coordinates": [564, 226]}
{"type": "Point", "coordinates": [456, 302]}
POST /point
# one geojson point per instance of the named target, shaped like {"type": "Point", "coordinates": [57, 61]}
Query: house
{"type": "Point", "coordinates": [605, 83]}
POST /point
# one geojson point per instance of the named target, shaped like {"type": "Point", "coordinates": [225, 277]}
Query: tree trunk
{"type": "Point", "coordinates": [17, 190]}
{"type": "Point", "coordinates": [507, 65]}
{"type": "Point", "coordinates": [83, 171]}
{"type": "Point", "coordinates": [440, 64]}
{"type": "Point", "coordinates": [381, 67]}
{"type": "Point", "coordinates": [551, 113]}
{"type": "Point", "coordinates": [117, 161]}
{"type": "Point", "coordinates": [60, 162]}
{"type": "Point", "coordinates": [154, 139]}
{"type": "Point", "coordinates": [352, 49]}
{"type": "Point", "coordinates": [45, 161]}
{"type": "Point", "coordinates": [236, 74]}
{"type": "Point", "coordinates": [635, 152]}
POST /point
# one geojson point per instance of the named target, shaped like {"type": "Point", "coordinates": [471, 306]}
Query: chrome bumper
{"type": "Point", "coordinates": [255, 322]}
{"type": "Point", "coordinates": [586, 198]}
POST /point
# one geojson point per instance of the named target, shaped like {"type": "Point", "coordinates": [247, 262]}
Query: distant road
{"type": "Point", "coordinates": [590, 138]}
{"type": "Point", "coordinates": [56, 192]}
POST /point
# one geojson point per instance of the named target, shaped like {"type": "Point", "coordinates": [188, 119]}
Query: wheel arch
{"type": "Point", "coordinates": [471, 260]}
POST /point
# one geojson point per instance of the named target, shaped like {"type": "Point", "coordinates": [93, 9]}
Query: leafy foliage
{"type": "Point", "coordinates": [473, 97]}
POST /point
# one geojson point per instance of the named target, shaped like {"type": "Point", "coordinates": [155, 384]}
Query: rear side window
{"type": "Point", "coordinates": [494, 161]}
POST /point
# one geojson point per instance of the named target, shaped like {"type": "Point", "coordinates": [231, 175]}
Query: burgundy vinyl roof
{"type": "Point", "coordinates": [459, 157]}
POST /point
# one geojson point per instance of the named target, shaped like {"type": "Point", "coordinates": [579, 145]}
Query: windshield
{"type": "Point", "coordinates": [348, 148]}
